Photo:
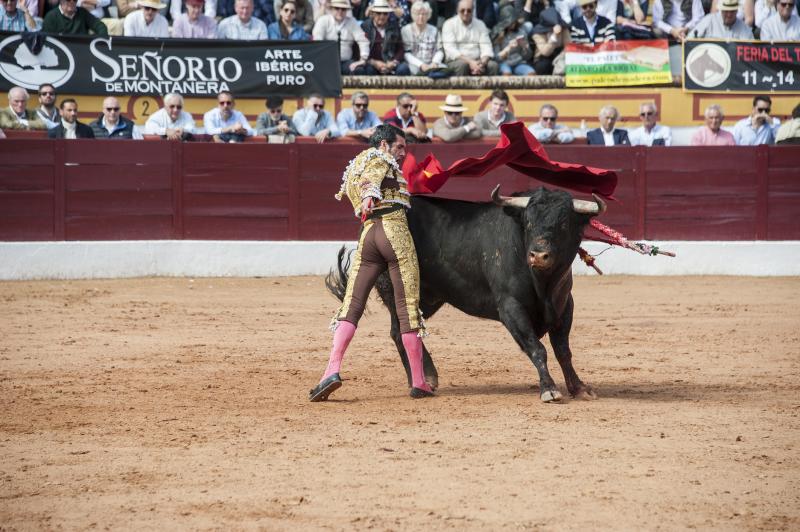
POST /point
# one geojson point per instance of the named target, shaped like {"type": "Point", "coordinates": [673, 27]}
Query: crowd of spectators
{"type": "Point", "coordinates": [225, 124]}
{"type": "Point", "coordinates": [435, 38]}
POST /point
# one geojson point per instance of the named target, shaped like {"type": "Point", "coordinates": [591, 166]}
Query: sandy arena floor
{"type": "Point", "coordinates": [166, 404]}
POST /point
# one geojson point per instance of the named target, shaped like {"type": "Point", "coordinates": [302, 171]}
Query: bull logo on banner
{"type": "Point", "coordinates": [29, 63]}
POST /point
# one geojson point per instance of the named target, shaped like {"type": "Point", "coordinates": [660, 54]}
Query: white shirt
{"type": "Point", "coordinates": [97, 11]}
{"type": "Point", "coordinates": [608, 137]}
{"type": "Point", "coordinates": [176, 8]}
{"type": "Point", "coordinates": [775, 29]}
{"type": "Point", "coordinates": [213, 122]}
{"type": "Point", "coordinates": [159, 122]}
{"type": "Point", "coordinates": [135, 26]}
{"type": "Point", "coordinates": [640, 137]}
{"type": "Point", "coordinates": [676, 18]}
{"type": "Point", "coordinates": [349, 31]}
{"type": "Point", "coordinates": [233, 28]}
{"type": "Point", "coordinates": [469, 41]}
{"type": "Point", "coordinates": [69, 129]}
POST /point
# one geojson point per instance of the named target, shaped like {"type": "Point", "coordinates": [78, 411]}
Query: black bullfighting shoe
{"type": "Point", "coordinates": [325, 388]}
{"type": "Point", "coordinates": [419, 393]}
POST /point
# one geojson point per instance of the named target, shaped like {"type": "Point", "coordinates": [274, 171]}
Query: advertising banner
{"type": "Point", "coordinates": [618, 64]}
{"type": "Point", "coordinates": [741, 66]}
{"type": "Point", "coordinates": [137, 66]}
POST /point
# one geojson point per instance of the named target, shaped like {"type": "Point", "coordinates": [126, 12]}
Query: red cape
{"type": "Point", "coordinates": [517, 149]}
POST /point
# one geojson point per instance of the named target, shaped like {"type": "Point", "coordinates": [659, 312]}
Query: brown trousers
{"type": "Point", "coordinates": [385, 243]}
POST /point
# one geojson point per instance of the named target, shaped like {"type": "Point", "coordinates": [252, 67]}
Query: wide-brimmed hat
{"type": "Point", "coordinates": [548, 19]}
{"type": "Point", "coordinates": [729, 5]}
{"type": "Point", "coordinates": [345, 4]}
{"type": "Point", "coordinates": [586, 2]}
{"type": "Point", "coordinates": [381, 6]}
{"type": "Point", "coordinates": [453, 104]}
{"type": "Point", "coordinates": [155, 4]}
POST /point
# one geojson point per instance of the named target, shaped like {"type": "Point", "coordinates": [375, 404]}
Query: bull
{"type": "Point", "coordinates": [508, 260]}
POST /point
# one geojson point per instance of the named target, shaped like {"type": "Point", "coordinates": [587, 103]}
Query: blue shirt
{"type": "Point", "coordinates": [346, 121]}
{"type": "Point", "coordinates": [308, 122]}
{"type": "Point", "coordinates": [297, 33]}
{"type": "Point", "coordinates": [745, 135]}
{"type": "Point", "coordinates": [15, 23]}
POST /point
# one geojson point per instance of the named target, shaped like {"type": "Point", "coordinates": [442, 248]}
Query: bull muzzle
{"type": "Point", "coordinates": [595, 208]}
{"type": "Point", "coordinates": [540, 260]}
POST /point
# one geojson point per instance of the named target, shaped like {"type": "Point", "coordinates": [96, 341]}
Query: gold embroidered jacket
{"type": "Point", "coordinates": [374, 173]}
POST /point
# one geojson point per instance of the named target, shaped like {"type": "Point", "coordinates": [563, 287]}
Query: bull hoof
{"type": "Point", "coordinates": [551, 396]}
{"type": "Point", "coordinates": [585, 393]}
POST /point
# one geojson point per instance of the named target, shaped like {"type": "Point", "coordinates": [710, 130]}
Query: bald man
{"type": "Point", "coordinates": [111, 124]}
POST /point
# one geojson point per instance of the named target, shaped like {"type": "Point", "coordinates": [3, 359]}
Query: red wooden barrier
{"type": "Point", "coordinates": [118, 190]}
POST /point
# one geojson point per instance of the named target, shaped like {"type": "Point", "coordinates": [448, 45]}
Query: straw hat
{"type": "Point", "coordinates": [729, 5]}
{"type": "Point", "coordinates": [345, 4]}
{"type": "Point", "coordinates": [381, 6]}
{"type": "Point", "coordinates": [453, 104]}
{"type": "Point", "coordinates": [586, 2]}
{"type": "Point", "coordinates": [155, 4]}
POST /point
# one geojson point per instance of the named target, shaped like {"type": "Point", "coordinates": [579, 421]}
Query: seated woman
{"type": "Point", "coordinates": [551, 36]}
{"type": "Point", "coordinates": [287, 28]}
{"type": "Point", "coordinates": [512, 49]}
{"type": "Point", "coordinates": [424, 53]}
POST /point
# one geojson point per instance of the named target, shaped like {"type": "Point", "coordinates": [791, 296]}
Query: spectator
{"type": "Point", "coordinates": [591, 28]}
{"type": "Point", "coordinates": [785, 26]}
{"type": "Point", "coordinates": [407, 117]}
{"type": "Point", "coordinates": [675, 18]}
{"type": "Point", "coordinates": [723, 24]}
{"type": "Point", "coordinates": [531, 10]}
{"type": "Point", "coordinates": [315, 121]}
{"type": "Point", "coordinates": [47, 109]}
{"type": "Point", "coordinates": [570, 10]}
{"type": "Point", "coordinates": [344, 28]}
{"type": "Point", "coordinates": [490, 120]}
{"type": "Point", "coordinates": [400, 11]}
{"type": "Point", "coordinates": [111, 124]}
{"type": "Point", "coordinates": [385, 44]}
{"type": "Point", "coordinates": [712, 133]}
{"type": "Point", "coordinates": [607, 134]}
{"type": "Point", "coordinates": [756, 128]}
{"type": "Point", "coordinates": [16, 17]}
{"type": "Point", "coordinates": [32, 6]}
{"type": "Point", "coordinates": [276, 126]}
{"type": "Point", "coordinates": [99, 8]}
{"type": "Point", "coordinates": [16, 115]}
{"type": "Point", "coordinates": [650, 133]}
{"type": "Point", "coordinates": [453, 126]}
{"type": "Point", "coordinates": [547, 130]}
{"type": "Point", "coordinates": [632, 20]}
{"type": "Point", "coordinates": [171, 121]}
{"type": "Point", "coordinates": [744, 12]}
{"type": "Point", "coordinates": [423, 47]}
{"type": "Point", "coordinates": [467, 46]}
{"type": "Point", "coordinates": [789, 132]}
{"type": "Point", "coordinates": [764, 9]}
{"type": "Point", "coordinates": [209, 9]}
{"type": "Point", "coordinates": [511, 46]}
{"type": "Point", "coordinates": [147, 21]}
{"type": "Point", "coordinates": [304, 13]}
{"type": "Point", "coordinates": [263, 10]}
{"type": "Point", "coordinates": [69, 127]}
{"type": "Point", "coordinates": [243, 25]}
{"type": "Point", "coordinates": [358, 121]}
{"type": "Point", "coordinates": [70, 19]}
{"type": "Point", "coordinates": [194, 24]}
{"type": "Point", "coordinates": [286, 28]}
{"type": "Point", "coordinates": [551, 41]}
{"type": "Point", "coordinates": [226, 124]}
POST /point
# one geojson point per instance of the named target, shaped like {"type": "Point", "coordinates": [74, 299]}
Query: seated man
{"type": "Point", "coordinates": [341, 27]}
{"type": "Point", "coordinates": [315, 121]}
{"type": "Point", "coordinates": [171, 121]}
{"type": "Point", "coordinates": [650, 133]}
{"type": "Point", "coordinates": [386, 50]}
{"type": "Point", "coordinates": [47, 109]}
{"type": "Point", "coordinates": [111, 124]}
{"type": "Point", "coordinates": [758, 128]}
{"type": "Point", "coordinates": [276, 126]}
{"type": "Point", "coordinates": [16, 115]}
{"type": "Point", "coordinates": [70, 19]}
{"type": "Point", "coordinates": [712, 133]}
{"type": "Point", "coordinates": [467, 47]}
{"type": "Point", "coordinates": [547, 131]}
{"type": "Point", "coordinates": [226, 124]}
{"type": "Point", "coordinates": [723, 24]}
{"type": "Point", "coordinates": [606, 134]}
{"type": "Point", "coordinates": [784, 25]}
{"type": "Point", "coordinates": [490, 120]}
{"type": "Point", "coordinates": [99, 8]}
{"type": "Point", "coordinates": [243, 25]}
{"type": "Point", "coordinates": [17, 18]}
{"type": "Point", "coordinates": [358, 121]}
{"type": "Point", "coordinates": [453, 126]}
{"type": "Point", "coordinates": [674, 19]}
{"type": "Point", "coordinates": [70, 128]}
{"type": "Point", "coordinates": [194, 24]}
{"type": "Point", "coordinates": [591, 28]}
{"type": "Point", "coordinates": [147, 21]}
{"type": "Point", "coordinates": [406, 117]}
{"type": "Point", "coordinates": [789, 132]}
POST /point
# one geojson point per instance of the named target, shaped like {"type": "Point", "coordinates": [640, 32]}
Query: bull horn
{"type": "Point", "coordinates": [505, 201]}
{"type": "Point", "coordinates": [596, 207]}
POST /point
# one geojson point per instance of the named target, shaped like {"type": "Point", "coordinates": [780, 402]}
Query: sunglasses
{"type": "Point", "coordinates": [288, 10]}
{"type": "Point", "coordinates": [361, 105]}
{"type": "Point", "coordinates": [175, 106]}
{"type": "Point", "coordinates": [225, 103]}
{"type": "Point", "coordinates": [452, 113]}
{"type": "Point", "coordinates": [648, 113]}
{"type": "Point", "coordinates": [318, 105]}
{"type": "Point", "coordinates": [465, 11]}
{"type": "Point", "coordinates": [340, 9]}
{"type": "Point", "coordinates": [146, 8]}
{"type": "Point", "coordinates": [786, 4]}
{"type": "Point", "coordinates": [112, 109]}
{"type": "Point", "coordinates": [548, 119]}
{"type": "Point", "coordinates": [763, 109]}
{"type": "Point", "coordinates": [276, 111]}
{"type": "Point", "coordinates": [407, 105]}
{"type": "Point", "coordinates": [41, 93]}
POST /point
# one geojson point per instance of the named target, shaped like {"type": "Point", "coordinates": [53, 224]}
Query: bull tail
{"type": "Point", "coordinates": [336, 280]}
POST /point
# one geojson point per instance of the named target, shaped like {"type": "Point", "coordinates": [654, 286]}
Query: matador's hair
{"type": "Point", "coordinates": [386, 132]}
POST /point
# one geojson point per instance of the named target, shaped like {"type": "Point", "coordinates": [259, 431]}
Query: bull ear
{"type": "Point", "coordinates": [505, 201]}
{"type": "Point", "coordinates": [596, 207]}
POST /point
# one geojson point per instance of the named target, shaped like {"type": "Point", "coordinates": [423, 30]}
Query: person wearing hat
{"type": "Point", "coordinates": [550, 39]}
{"type": "Point", "coordinates": [194, 24]}
{"type": "Point", "coordinates": [511, 44]}
{"type": "Point", "coordinates": [242, 26]}
{"type": "Point", "coordinates": [339, 26]}
{"type": "Point", "coordinates": [386, 49]}
{"type": "Point", "coordinates": [400, 11]}
{"type": "Point", "coordinates": [591, 28]}
{"type": "Point", "coordinates": [783, 26]}
{"type": "Point", "coordinates": [276, 126]}
{"type": "Point", "coordinates": [69, 19]}
{"type": "Point", "coordinates": [454, 126]}
{"type": "Point", "coordinates": [467, 46]}
{"type": "Point", "coordinates": [723, 24]}
{"type": "Point", "coordinates": [147, 21]}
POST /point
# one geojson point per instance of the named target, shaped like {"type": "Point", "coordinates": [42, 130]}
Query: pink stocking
{"type": "Point", "coordinates": [341, 339]}
{"type": "Point", "coordinates": [413, 345]}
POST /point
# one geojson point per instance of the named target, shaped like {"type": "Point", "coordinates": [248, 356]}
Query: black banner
{"type": "Point", "coordinates": [741, 66]}
{"type": "Point", "coordinates": [137, 66]}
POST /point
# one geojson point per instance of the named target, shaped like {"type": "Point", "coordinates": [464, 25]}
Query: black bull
{"type": "Point", "coordinates": [508, 260]}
